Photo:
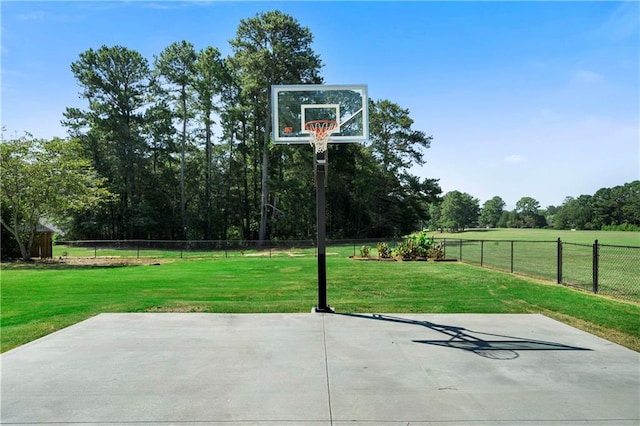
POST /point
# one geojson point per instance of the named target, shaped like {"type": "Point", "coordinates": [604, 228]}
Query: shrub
{"type": "Point", "coordinates": [364, 251]}
{"type": "Point", "coordinates": [384, 251]}
{"type": "Point", "coordinates": [436, 252]}
{"type": "Point", "coordinates": [405, 250]}
{"type": "Point", "coordinates": [419, 245]}
{"type": "Point", "coordinates": [629, 227]}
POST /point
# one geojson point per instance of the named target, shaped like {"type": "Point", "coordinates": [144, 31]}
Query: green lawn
{"type": "Point", "coordinates": [37, 299]}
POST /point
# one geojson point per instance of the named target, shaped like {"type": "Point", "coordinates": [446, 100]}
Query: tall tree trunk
{"type": "Point", "coordinates": [25, 250]}
{"type": "Point", "coordinates": [183, 204]}
{"type": "Point", "coordinates": [265, 173]}
{"type": "Point", "coordinates": [207, 183]}
{"type": "Point", "coordinates": [227, 198]}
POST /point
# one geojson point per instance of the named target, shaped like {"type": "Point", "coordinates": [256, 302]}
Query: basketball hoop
{"type": "Point", "coordinates": [320, 131]}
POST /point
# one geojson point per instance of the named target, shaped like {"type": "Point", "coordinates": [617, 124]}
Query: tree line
{"type": "Point", "coordinates": [179, 147]}
{"type": "Point", "coordinates": [616, 208]}
{"type": "Point", "coordinates": [181, 143]}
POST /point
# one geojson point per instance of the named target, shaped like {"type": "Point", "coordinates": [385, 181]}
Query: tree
{"type": "Point", "coordinates": [435, 217]}
{"type": "Point", "coordinates": [491, 212]}
{"type": "Point", "coordinates": [503, 222]}
{"type": "Point", "coordinates": [43, 179]}
{"type": "Point", "coordinates": [116, 85]}
{"type": "Point", "coordinates": [631, 202]}
{"type": "Point", "coordinates": [459, 210]}
{"type": "Point", "coordinates": [271, 48]}
{"type": "Point", "coordinates": [398, 200]}
{"type": "Point", "coordinates": [175, 66]}
{"type": "Point", "coordinates": [393, 142]}
{"type": "Point", "coordinates": [527, 208]}
{"type": "Point", "coordinates": [575, 213]}
{"type": "Point", "coordinates": [209, 76]}
{"type": "Point", "coordinates": [549, 215]}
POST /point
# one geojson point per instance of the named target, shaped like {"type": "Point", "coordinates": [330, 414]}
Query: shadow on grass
{"type": "Point", "coordinates": [505, 348]}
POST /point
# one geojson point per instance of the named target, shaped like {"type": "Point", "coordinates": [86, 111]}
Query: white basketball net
{"type": "Point", "coordinates": [320, 131]}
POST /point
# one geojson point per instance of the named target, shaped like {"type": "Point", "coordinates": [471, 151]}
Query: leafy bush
{"type": "Point", "coordinates": [384, 251]}
{"type": "Point", "coordinates": [364, 251]}
{"type": "Point", "coordinates": [405, 250]}
{"type": "Point", "coordinates": [629, 227]}
{"type": "Point", "coordinates": [436, 252]}
{"type": "Point", "coordinates": [419, 245]}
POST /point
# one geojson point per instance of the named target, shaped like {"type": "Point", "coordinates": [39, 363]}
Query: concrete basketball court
{"type": "Point", "coordinates": [320, 369]}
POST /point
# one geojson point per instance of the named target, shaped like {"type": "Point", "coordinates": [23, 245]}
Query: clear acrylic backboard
{"type": "Point", "coordinates": [294, 106]}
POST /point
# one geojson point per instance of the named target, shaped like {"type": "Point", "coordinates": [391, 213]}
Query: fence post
{"type": "Point", "coordinates": [481, 252]}
{"type": "Point", "coordinates": [460, 242]}
{"type": "Point", "coordinates": [138, 249]}
{"type": "Point", "coordinates": [95, 250]}
{"type": "Point", "coordinates": [559, 274]}
{"type": "Point", "coordinates": [444, 248]}
{"type": "Point", "coordinates": [512, 256]}
{"type": "Point", "coordinates": [595, 266]}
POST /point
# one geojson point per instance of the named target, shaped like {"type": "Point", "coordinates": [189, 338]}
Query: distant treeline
{"type": "Point", "coordinates": [609, 209]}
{"type": "Point", "coordinates": [182, 146]}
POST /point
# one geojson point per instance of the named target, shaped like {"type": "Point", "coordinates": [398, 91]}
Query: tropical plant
{"type": "Point", "coordinates": [384, 251]}
{"type": "Point", "coordinates": [419, 245]}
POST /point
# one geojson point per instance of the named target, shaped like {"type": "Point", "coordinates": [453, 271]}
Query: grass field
{"type": "Point", "coordinates": [39, 299]}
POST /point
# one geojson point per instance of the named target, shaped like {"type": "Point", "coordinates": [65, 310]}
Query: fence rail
{"type": "Point", "coordinates": [609, 270]}
{"type": "Point", "coordinates": [199, 248]}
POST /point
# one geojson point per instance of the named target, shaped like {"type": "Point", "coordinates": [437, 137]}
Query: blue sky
{"type": "Point", "coordinates": [538, 99]}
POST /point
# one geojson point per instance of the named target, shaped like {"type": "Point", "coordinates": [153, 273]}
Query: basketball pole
{"type": "Point", "coordinates": [320, 164]}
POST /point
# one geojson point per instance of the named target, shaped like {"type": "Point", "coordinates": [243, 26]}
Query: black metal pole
{"type": "Point", "coordinates": [512, 256]}
{"type": "Point", "coordinates": [595, 264]}
{"type": "Point", "coordinates": [559, 257]}
{"type": "Point", "coordinates": [320, 164]}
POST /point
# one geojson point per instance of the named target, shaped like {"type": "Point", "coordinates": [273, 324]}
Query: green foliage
{"type": "Point", "coordinates": [364, 251]}
{"type": "Point", "coordinates": [270, 48]}
{"type": "Point", "coordinates": [147, 129]}
{"type": "Point", "coordinates": [116, 82]}
{"type": "Point", "coordinates": [491, 212]}
{"type": "Point", "coordinates": [175, 67]}
{"type": "Point", "coordinates": [384, 251]}
{"type": "Point", "coordinates": [625, 227]}
{"type": "Point", "coordinates": [419, 245]}
{"type": "Point", "coordinates": [393, 141]}
{"type": "Point", "coordinates": [458, 211]}
{"type": "Point", "coordinates": [606, 209]}
{"type": "Point", "coordinates": [44, 179]}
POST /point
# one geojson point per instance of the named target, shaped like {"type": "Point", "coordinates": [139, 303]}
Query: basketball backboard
{"type": "Point", "coordinates": [296, 105]}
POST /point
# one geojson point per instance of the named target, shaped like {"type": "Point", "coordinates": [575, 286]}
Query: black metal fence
{"type": "Point", "coordinates": [202, 248]}
{"type": "Point", "coordinates": [600, 268]}
{"type": "Point", "coordinates": [609, 270]}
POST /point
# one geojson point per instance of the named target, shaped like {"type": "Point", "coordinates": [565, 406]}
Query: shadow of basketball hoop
{"type": "Point", "coordinates": [498, 346]}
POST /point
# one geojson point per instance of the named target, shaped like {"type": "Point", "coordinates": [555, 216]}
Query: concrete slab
{"type": "Point", "coordinates": [477, 369]}
{"type": "Point", "coordinates": [171, 368]}
{"type": "Point", "coordinates": [320, 369]}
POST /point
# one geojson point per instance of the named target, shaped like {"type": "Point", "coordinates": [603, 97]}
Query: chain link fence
{"type": "Point", "coordinates": [604, 269]}
{"type": "Point", "coordinates": [205, 248]}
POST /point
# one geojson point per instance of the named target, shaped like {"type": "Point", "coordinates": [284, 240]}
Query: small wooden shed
{"type": "Point", "coordinates": [42, 246]}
